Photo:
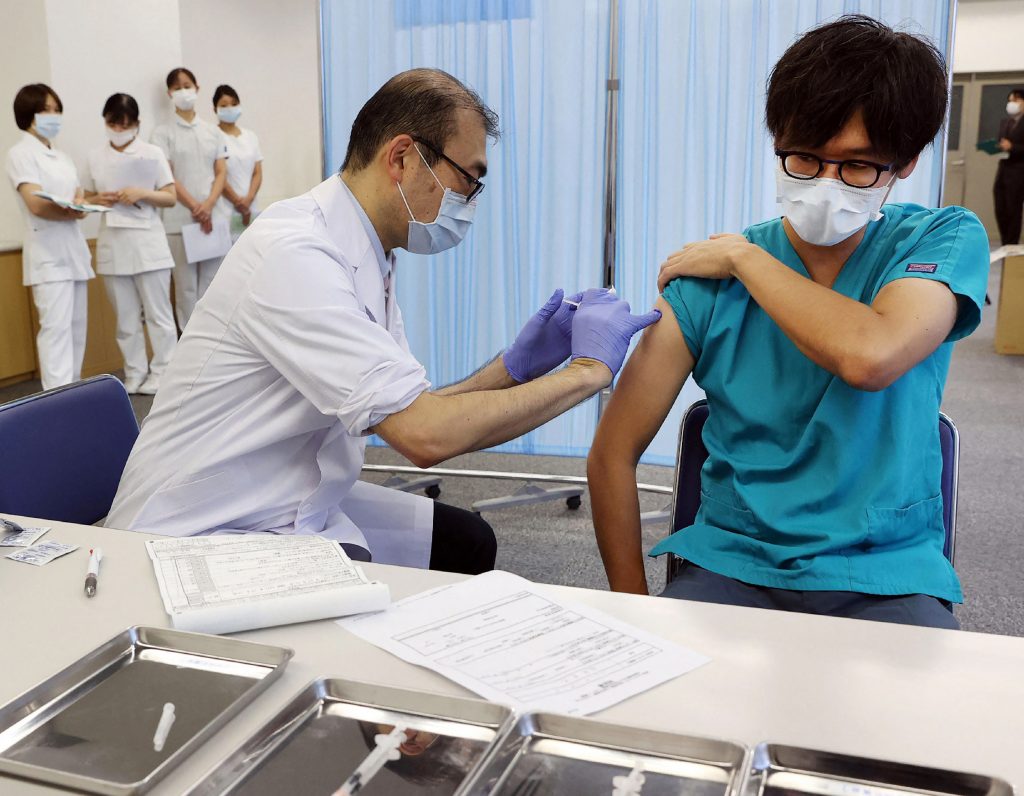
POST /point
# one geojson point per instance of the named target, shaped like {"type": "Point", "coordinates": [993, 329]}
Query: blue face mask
{"type": "Point", "coordinates": [48, 124]}
{"type": "Point", "coordinates": [454, 217]}
{"type": "Point", "coordinates": [229, 114]}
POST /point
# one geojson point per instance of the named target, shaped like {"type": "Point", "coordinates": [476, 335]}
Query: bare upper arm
{"type": "Point", "coordinates": [918, 314]}
{"type": "Point", "coordinates": [647, 388]}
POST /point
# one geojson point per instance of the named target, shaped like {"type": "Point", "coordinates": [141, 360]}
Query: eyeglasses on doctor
{"type": "Point", "coordinates": [855, 173]}
{"type": "Point", "coordinates": [477, 186]}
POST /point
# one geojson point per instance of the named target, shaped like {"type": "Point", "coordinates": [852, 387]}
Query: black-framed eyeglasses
{"type": "Point", "coordinates": [476, 185]}
{"type": "Point", "coordinates": [855, 173]}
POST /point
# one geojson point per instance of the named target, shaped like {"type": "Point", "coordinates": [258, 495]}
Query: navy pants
{"type": "Point", "coordinates": [461, 542]}
{"type": "Point", "coordinates": [702, 585]}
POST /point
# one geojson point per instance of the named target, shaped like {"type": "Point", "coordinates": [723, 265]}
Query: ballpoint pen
{"type": "Point", "coordinates": [92, 573]}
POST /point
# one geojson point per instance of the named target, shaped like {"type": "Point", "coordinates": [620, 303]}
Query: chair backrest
{"type": "Point", "coordinates": [62, 451]}
{"type": "Point", "coordinates": [691, 455]}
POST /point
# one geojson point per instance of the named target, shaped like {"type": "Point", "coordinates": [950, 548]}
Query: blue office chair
{"type": "Point", "coordinates": [62, 451]}
{"type": "Point", "coordinates": [692, 454]}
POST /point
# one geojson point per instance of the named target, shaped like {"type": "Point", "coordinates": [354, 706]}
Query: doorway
{"type": "Point", "coordinates": [977, 105]}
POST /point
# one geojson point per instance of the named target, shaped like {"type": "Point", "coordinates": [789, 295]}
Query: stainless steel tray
{"type": "Point", "coordinates": [315, 743]}
{"type": "Point", "coordinates": [547, 754]}
{"type": "Point", "coordinates": [91, 726]}
{"type": "Point", "coordinates": [778, 770]}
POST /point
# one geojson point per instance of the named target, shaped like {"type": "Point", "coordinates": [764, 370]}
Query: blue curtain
{"type": "Point", "coordinates": [541, 66]}
{"type": "Point", "coordinates": [693, 154]}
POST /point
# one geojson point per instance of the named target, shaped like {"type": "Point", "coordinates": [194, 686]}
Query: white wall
{"type": "Point", "coordinates": [267, 51]}
{"type": "Point", "coordinates": [989, 36]}
{"type": "Point", "coordinates": [101, 47]}
{"type": "Point", "coordinates": [89, 49]}
{"type": "Point", "coordinates": [24, 59]}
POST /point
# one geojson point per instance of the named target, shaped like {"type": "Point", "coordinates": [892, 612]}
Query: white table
{"type": "Point", "coordinates": [932, 697]}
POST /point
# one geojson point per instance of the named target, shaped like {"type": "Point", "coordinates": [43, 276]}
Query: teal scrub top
{"type": "Point", "coordinates": [811, 484]}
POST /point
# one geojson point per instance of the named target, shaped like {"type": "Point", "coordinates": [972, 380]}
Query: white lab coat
{"type": "Point", "coordinates": [53, 251]}
{"type": "Point", "coordinates": [243, 155]}
{"type": "Point", "coordinates": [55, 261]}
{"type": "Point", "coordinates": [131, 239]}
{"type": "Point", "coordinates": [192, 148]}
{"type": "Point", "coordinates": [290, 358]}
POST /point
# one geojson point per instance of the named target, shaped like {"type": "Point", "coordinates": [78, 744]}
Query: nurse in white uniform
{"type": "Point", "coordinates": [197, 152]}
{"type": "Point", "coordinates": [298, 352]}
{"type": "Point", "coordinates": [245, 161]}
{"type": "Point", "coordinates": [55, 257]}
{"type": "Point", "coordinates": [133, 178]}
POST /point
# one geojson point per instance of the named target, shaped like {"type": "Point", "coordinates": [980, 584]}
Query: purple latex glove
{"type": "Point", "coordinates": [602, 328]}
{"type": "Point", "coordinates": [544, 342]}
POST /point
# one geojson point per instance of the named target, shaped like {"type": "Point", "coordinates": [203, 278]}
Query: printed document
{"type": "Point", "coordinates": [131, 173]}
{"type": "Point", "coordinates": [506, 639]}
{"type": "Point", "coordinates": [201, 246]}
{"type": "Point", "coordinates": [225, 584]}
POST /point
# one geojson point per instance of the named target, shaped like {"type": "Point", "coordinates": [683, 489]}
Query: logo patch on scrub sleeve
{"type": "Point", "coordinates": [922, 268]}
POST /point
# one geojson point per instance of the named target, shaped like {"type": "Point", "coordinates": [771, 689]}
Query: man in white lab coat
{"type": "Point", "coordinates": [297, 352]}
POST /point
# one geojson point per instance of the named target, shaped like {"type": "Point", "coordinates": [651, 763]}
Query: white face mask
{"type": "Point", "coordinates": [825, 212]}
{"type": "Point", "coordinates": [184, 99]}
{"type": "Point", "coordinates": [229, 113]}
{"type": "Point", "coordinates": [48, 124]}
{"type": "Point", "coordinates": [1013, 108]}
{"type": "Point", "coordinates": [454, 217]}
{"type": "Point", "coordinates": [120, 138]}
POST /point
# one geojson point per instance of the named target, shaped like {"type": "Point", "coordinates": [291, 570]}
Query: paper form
{"type": "Point", "coordinates": [225, 584]}
{"type": "Point", "coordinates": [201, 246]}
{"type": "Point", "coordinates": [131, 173]}
{"type": "Point", "coordinates": [501, 636]}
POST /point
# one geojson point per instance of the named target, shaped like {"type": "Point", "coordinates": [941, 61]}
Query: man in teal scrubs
{"type": "Point", "coordinates": [823, 340]}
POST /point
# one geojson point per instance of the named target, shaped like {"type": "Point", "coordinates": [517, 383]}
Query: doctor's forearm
{"type": "Point", "coordinates": [492, 376]}
{"type": "Point", "coordinates": [435, 428]}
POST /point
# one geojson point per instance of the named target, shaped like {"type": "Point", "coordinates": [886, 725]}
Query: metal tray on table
{"type": "Point", "coordinates": [319, 739]}
{"type": "Point", "coordinates": [547, 754]}
{"type": "Point", "coordinates": [778, 770]}
{"type": "Point", "coordinates": [91, 726]}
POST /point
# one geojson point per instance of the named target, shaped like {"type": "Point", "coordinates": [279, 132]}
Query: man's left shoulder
{"type": "Point", "coordinates": [924, 219]}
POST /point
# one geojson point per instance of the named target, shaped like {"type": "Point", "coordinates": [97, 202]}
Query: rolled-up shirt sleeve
{"type": "Point", "coordinates": [303, 315]}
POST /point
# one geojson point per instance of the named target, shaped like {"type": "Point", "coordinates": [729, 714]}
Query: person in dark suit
{"type": "Point", "coordinates": [1009, 185]}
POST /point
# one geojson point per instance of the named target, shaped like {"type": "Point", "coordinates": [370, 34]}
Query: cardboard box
{"type": "Point", "coordinates": [1010, 316]}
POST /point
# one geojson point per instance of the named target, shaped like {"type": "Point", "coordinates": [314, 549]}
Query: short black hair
{"type": "Point", "coordinates": [1018, 93]}
{"type": "Point", "coordinates": [30, 100]}
{"type": "Point", "coordinates": [897, 80]}
{"type": "Point", "coordinates": [121, 109]}
{"type": "Point", "coordinates": [224, 90]}
{"type": "Point", "coordinates": [172, 76]}
{"type": "Point", "coordinates": [419, 102]}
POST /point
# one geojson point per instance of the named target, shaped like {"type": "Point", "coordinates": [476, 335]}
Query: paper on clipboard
{"type": "Point", "coordinates": [200, 246]}
{"type": "Point", "coordinates": [230, 583]}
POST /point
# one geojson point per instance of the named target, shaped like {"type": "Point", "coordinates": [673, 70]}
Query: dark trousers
{"type": "Point", "coordinates": [462, 542]}
{"type": "Point", "coordinates": [701, 585]}
{"type": "Point", "coordinates": [1008, 192]}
